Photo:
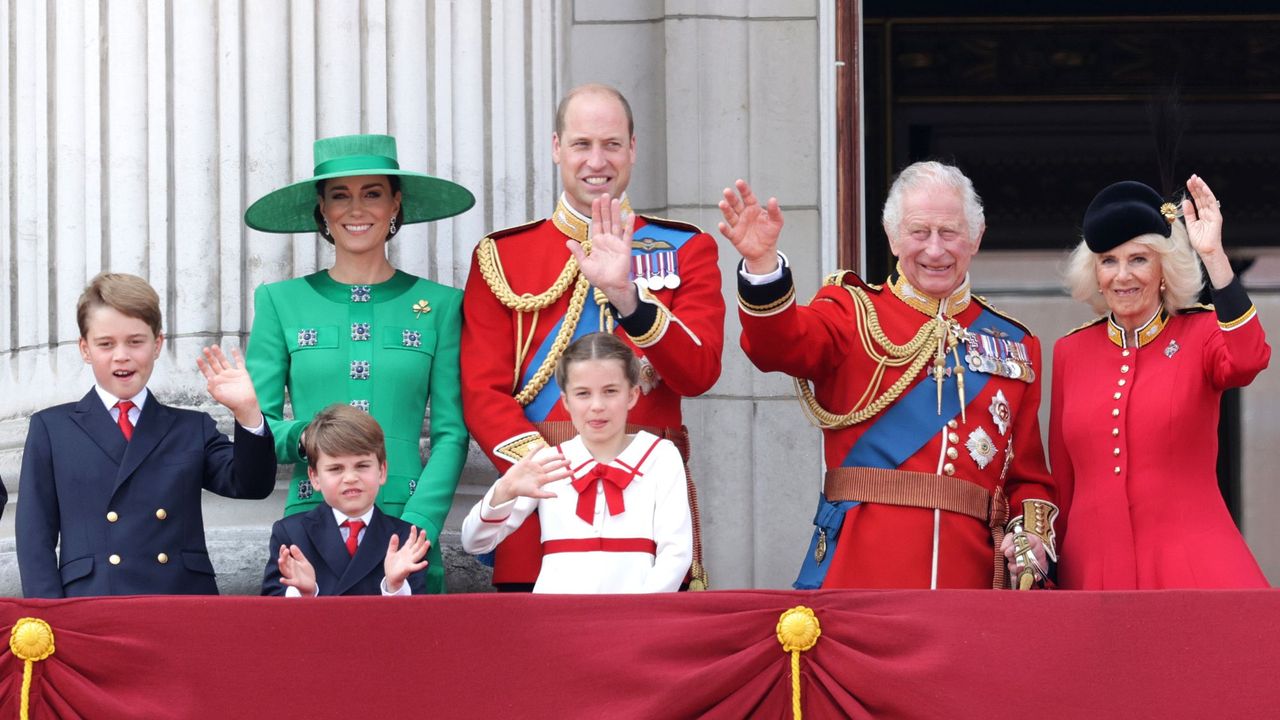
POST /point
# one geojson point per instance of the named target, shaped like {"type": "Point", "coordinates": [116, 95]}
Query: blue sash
{"type": "Point", "coordinates": [896, 435]}
{"type": "Point", "coordinates": [545, 401]}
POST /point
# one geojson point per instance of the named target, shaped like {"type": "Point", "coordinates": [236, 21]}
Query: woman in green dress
{"type": "Point", "coordinates": [363, 332]}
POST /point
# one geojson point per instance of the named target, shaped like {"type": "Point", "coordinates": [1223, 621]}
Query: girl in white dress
{"type": "Point", "coordinates": [614, 507]}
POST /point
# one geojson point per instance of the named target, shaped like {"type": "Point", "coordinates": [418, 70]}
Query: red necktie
{"type": "Point", "coordinates": [615, 480]}
{"type": "Point", "coordinates": [353, 536]}
{"type": "Point", "coordinates": [126, 426]}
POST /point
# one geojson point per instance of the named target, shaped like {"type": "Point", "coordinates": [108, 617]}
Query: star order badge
{"type": "Point", "coordinates": [648, 376]}
{"type": "Point", "coordinates": [1001, 413]}
{"type": "Point", "coordinates": [1171, 348]}
{"type": "Point", "coordinates": [981, 448]}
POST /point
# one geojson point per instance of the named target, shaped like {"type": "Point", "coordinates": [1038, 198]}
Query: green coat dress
{"type": "Point", "coordinates": [388, 349]}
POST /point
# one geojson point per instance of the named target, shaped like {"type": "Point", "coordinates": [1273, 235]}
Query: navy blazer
{"type": "Point", "coordinates": [127, 513]}
{"type": "Point", "coordinates": [317, 535]}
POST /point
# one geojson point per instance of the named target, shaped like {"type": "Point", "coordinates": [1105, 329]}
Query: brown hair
{"type": "Point", "coordinates": [598, 346]}
{"type": "Point", "coordinates": [343, 430]}
{"type": "Point", "coordinates": [593, 88]}
{"type": "Point", "coordinates": [126, 294]}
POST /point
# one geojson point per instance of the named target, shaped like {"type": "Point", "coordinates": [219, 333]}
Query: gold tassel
{"type": "Point", "coordinates": [798, 631]}
{"type": "Point", "coordinates": [32, 640]}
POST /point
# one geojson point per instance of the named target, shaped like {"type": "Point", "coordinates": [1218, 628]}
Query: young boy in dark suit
{"type": "Point", "coordinates": [345, 545]}
{"type": "Point", "coordinates": [116, 478]}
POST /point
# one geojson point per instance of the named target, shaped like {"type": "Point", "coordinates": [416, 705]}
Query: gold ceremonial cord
{"type": "Point", "coordinates": [495, 277]}
{"type": "Point", "coordinates": [916, 353]}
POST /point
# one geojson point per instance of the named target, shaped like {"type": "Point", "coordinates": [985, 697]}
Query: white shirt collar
{"type": "Point", "coordinates": [110, 400]}
{"type": "Point", "coordinates": [341, 517]}
{"type": "Point", "coordinates": [564, 202]}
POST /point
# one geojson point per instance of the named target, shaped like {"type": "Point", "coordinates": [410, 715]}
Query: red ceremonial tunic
{"type": "Point", "coordinates": [892, 546]}
{"type": "Point", "coordinates": [1133, 439]}
{"type": "Point", "coordinates": [678, 332]}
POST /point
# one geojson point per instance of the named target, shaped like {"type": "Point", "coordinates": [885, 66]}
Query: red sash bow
{"type": "Point", "coordinates": [614, 481]}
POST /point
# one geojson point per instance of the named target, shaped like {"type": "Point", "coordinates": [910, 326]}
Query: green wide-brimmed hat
{"type": "Point", "coordinates": [291, 209]}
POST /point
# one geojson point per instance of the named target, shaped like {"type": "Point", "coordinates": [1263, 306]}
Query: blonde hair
{"type": "Point", "coordinates": [1179, 266]}
{"type": "Point", "coordinates": [128, 295]}
{"type": "Point", "coordinates": [343, 430]}
{"type": "Point", "coordinates": [598, 346]}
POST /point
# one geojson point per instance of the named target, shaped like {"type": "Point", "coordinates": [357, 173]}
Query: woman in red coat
{"type": "Point", "coordinates": [1133, 431]}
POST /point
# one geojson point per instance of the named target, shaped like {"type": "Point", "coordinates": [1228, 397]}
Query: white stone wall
{"type": "Point", "coordinates": [138, 131]}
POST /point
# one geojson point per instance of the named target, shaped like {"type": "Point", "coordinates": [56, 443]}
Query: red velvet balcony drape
{"type": "Point", "coordinates": [918, 654]}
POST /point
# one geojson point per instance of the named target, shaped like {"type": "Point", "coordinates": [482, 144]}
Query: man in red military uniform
{"type": "Point", "coordinates": [533, 289]}
{"type": "Point", "coordinates": [927, 396]}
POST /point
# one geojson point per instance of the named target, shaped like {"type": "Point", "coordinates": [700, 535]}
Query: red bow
{"type": "Point", "coordinates": [614, 480]}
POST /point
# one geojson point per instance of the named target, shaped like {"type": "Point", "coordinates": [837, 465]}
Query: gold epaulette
{"type": "Point", "coordinates": [1087, 325]}
{"type": "Point", "coordinates": [991, 307]}
{"type": "Point", "coordinates": [668, 222]}
{"type": "Point", "coordinates": [1197, 308]}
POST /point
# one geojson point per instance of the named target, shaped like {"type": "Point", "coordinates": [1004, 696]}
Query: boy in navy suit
{"type": "Point", "coordinates": [116, 478]}
{"type": "Point", "coordinates": [345, 545]}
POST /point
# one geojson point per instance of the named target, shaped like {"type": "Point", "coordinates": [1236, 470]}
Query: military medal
{"type": "Point", "coordinates": [820, 548]}
{"type": "Point", "coordinates": [1001, 413]}
{"type": "Point", "coordinates": [656, 282]}
{"type": "Point", "coordinates": [997, 356]}
{"type": "Point", "coordinates": [673, 271]}
{"type": "Point", "coordinates": [981, 447]}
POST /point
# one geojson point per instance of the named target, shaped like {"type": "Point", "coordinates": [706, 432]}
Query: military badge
{"type": "Point", "coordinates": [648, 376]}
{"type": "Point", "coordinates": [981, 448]}
{"type": "Point", "coordinates": [1001, 413]}
{"type": "Point", "coordinates": [1171, 349]}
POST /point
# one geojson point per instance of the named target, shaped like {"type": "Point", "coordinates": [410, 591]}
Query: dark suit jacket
{"type": "Point", "coordinates": [127, 513]}
{"type": "Point", "coordinates": [337, 573]}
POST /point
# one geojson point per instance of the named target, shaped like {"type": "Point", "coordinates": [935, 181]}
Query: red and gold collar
{"type": "Point", "coordinates": [952, 305]}
{"type": "Point", "coordinates": [572, 223]}
{"type": "Point", "coordinates": [1143, 335]}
